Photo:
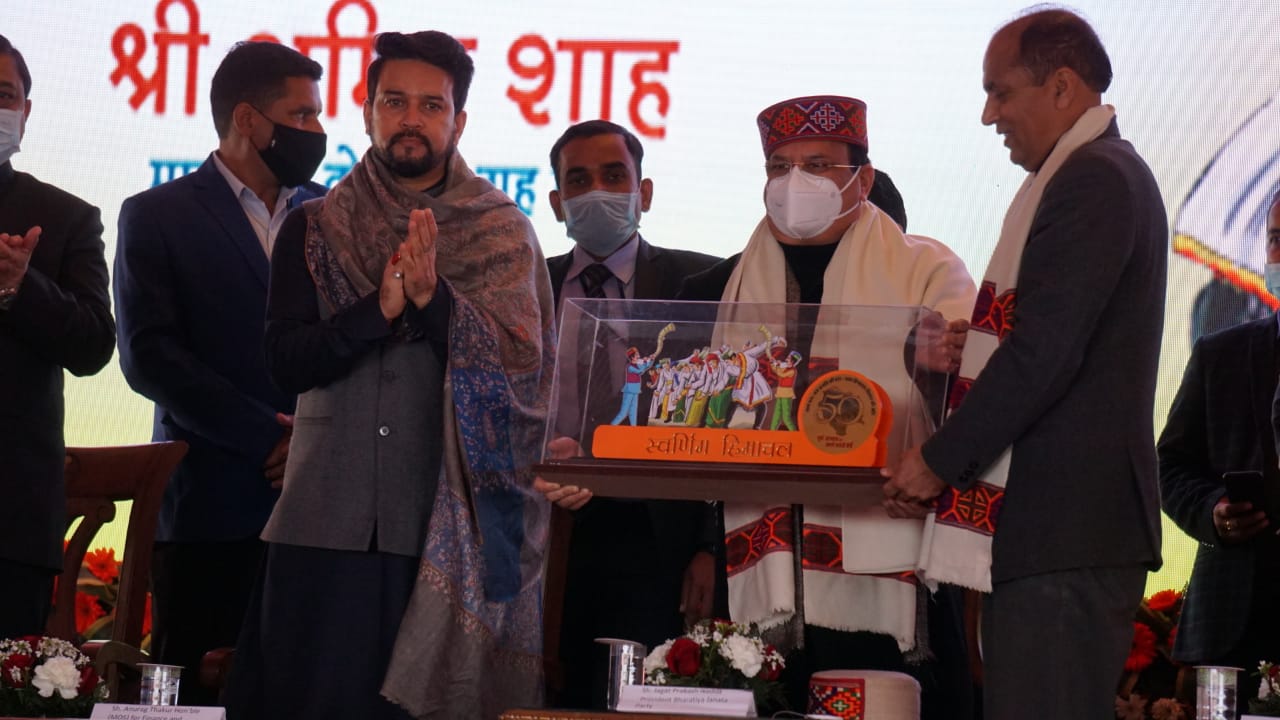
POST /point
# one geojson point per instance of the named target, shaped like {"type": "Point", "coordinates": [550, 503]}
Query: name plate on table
{"type": "Point", "coordinates": [844, 419]}
{"type": "Point", "coordinates": [115, 711]}
{"type": "Point", "coordinates": [686, 700]}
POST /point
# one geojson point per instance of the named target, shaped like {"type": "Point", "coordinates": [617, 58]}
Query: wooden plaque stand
{"type": "Point", "coordinates": [658, 480]}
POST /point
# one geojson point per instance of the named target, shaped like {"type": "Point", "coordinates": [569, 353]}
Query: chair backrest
{"type": "Point", "coordinates": [96, 478]}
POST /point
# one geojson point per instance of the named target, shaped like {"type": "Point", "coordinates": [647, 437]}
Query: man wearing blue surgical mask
{"type": "Point", "coordinates": [55, 314]}
{"type": "Point", "coordinates": [635, 569]}
{"type": "Point", "coordinates": [1223, 420]}
{"type": "Point", "coordinates": [191, 293]}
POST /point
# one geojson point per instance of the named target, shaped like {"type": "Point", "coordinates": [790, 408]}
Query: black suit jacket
{"type": "Point", "coordinates": [191, 293]}
{"type": "Point", "coordinates": [1072, 387]}
{"type": "Point", "coordinates": [659, 271]}
{"type": "Point", "coordinates": [60, 318]}
{"type": "Point", "coordinates": [1220, 421]}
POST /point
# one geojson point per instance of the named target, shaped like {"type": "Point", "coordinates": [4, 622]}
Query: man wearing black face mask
{"type": "Point", "coordinates": [191, 289]}
{"type": "Point", "coordinates": [670, 546]}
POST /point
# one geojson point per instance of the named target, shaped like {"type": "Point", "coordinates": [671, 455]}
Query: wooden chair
{"type": "Point", "coordinates": [97, 478]}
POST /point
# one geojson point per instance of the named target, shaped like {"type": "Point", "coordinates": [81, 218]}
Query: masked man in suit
{"type": "Point", "coordinates": [54, 314]}
{"type": "Point", "coordinates": [191, 291]}
{"type": "Point", "coordinates": [1222, 421]}
{"type": "Point", "coordinates": [636, 569]}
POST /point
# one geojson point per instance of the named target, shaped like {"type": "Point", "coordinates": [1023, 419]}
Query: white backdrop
{"type": "Point", "coordinates": [1187, 75]}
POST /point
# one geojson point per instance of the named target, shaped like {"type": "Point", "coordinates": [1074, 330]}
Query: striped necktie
{"type": "Point", "coordinates": [593, 278]}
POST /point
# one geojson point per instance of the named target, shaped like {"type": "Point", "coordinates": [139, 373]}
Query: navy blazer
{"type": "Point", "coordinates": [191, 295]}
{"type": "Point", "coordinates": [60, 318]}
{"type": "Point", "coordinates": [1220, 421]}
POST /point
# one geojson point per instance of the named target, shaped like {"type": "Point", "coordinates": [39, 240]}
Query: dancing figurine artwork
{"type": "Point", "coordinates": [636, 366]}
{"type": "Point", "coordinates": [751, 403]}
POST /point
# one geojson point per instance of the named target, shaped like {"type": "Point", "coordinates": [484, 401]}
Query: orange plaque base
{"type": "Point", "coordinates": [770, 447]}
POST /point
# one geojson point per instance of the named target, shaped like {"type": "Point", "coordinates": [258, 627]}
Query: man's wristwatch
{"type": "Point", "coordinates": [7, 296]}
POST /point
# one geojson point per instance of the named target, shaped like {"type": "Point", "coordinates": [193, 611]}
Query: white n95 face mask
{"type": "Point", "coordinates": [803, 205]}
{"type": "Point", "coordinates": [10, 133]}
{"type": "Point", "coordinates": [601, 221]}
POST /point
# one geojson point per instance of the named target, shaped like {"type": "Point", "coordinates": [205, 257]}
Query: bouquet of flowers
{"type": "Point", "coordinates": [1148, 689]}
{"type": "Point", "coordinates": [46, 677]}
{"type": "Point", "coordinates": [720, 654]}
{"type": "Point", "coordinates": [1268, 700]}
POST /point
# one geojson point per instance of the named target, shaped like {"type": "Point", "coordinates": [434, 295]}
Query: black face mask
{"type": "Point", "coordinates": [293, 155]}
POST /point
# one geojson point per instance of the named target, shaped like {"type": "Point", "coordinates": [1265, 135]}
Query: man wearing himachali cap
{"type": "Point", "coordinates": [821, 241]}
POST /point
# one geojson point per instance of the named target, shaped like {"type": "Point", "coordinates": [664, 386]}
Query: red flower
{"type": "Point", "coordinates": [770, 670]}
{"type": "Point", "coordinates": [684, 657]}
{"type": "Point", "coordinates": [1173, 635]}
{"type": "Point", "coordinates": [88, 680]}
{"type": "Point", "coordinates": [102, 563]}
{"type": "Point", "coordinates": [146, 617]}
{"type": "Point", "coordinates": [1143, 650]}
{"type": "Point", "coordinates": [88, 609]}
{"type": "Point", "coordinates": [22, 663]}
{"type": "Point", "coordinates": [1164, 601]}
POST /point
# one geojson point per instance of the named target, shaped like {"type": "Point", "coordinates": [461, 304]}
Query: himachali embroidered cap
{"type": "Point", "coordinates": [817, 117]}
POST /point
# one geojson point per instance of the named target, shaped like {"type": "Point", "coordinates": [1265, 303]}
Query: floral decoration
{"type": "Point", "coordinates": [722, 654]}
{"type": "Point", "coordinates": [46, 677]}
{"type": "Point", "coordinates": [1148, 689]}
{"type": "Point", "coordinates": [1267, 703]}
{"type": "Point", "coordinates": [97, 592]}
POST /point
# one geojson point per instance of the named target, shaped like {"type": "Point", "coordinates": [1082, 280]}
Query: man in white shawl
{"type": "Point", "coordinates": [855, 603]}
{"type": "Point", "coordinates": [1045, 473]}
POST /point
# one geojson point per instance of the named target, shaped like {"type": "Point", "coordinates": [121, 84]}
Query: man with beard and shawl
{"type": "Point", "coordinates": [856, 609]}
{"type": "Point", "coordinates": [411, 311]}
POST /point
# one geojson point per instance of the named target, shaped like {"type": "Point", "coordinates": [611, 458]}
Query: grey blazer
{"type": "Point", "coordinates": [364, 461]}
{"type": "Point", "coordinates": [1072, 386]}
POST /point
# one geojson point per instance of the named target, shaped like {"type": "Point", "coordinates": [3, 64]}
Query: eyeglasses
{"type": "Point", "coordinates": [778, 168]}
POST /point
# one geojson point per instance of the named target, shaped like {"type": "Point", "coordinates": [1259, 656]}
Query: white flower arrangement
{"type": "Point", "coordinates": [43, 676]}
{"type": "Point", "coordinates": [717, 653]}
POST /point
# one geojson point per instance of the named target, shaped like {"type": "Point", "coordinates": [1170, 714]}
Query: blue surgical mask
{"type": "Point", "coordinates": [1272, 275]}
{"type": "Point", "coordinates": [10, 133]}
{"type": "Point", "coordinates": [601, 221]}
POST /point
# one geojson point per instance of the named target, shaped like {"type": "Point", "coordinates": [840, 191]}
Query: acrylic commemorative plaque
{"type": "Point", "coordinates": [651, 395]}
{"type": "Point", "coordinates": [842, 419]}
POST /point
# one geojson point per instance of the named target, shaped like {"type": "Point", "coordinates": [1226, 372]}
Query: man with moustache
{"type": "Point", "coordinates": [55, 314]}
{"type": "Point", "coordinates": [407, 519]}
{"type": "Point", "coordinates": [1054, 431]}
{"type": "Point", "coordinates": [191, 291]}
{"type": "Point", "coordinates": [668, 575]}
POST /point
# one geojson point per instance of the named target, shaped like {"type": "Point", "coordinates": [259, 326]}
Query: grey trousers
{"type": "Point", "coordinates": [1054, 645]}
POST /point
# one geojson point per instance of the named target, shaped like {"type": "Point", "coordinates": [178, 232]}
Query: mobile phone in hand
{"type": "Point", "coordinates": [1246, 486]}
